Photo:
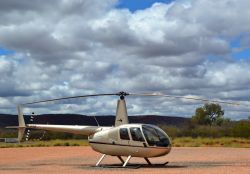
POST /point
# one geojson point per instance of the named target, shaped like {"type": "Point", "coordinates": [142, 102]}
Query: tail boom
{"type": "Point", "coordinates": [75, 129]}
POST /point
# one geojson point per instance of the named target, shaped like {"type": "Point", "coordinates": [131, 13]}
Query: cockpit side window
{"type": "Point", "coordinates": [155, 137]}
{"type": "Point", "coordinates": [124, 134]}
{"type": "Point", "coordinates": [136, 134]}
{"type": "Point", "coordinates": [150, 135]}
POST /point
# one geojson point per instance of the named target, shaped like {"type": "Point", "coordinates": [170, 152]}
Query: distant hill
{"type": "Point", "coordinates": [75, 119]}
{"type": "Point", "coordinates": [6, 120]}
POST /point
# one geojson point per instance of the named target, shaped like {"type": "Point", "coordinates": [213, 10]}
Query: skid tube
{"type": "Point", "coordinates": [125, 163]}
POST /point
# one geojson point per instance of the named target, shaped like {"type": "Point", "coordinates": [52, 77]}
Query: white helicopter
{"type": "Point", "coordinates": [124, 139]}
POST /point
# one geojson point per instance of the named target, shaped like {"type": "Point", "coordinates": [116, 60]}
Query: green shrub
{"type": "Point", "coordinates": [241, 129]}
{"type": "Point", "coordinates": [66, 144]}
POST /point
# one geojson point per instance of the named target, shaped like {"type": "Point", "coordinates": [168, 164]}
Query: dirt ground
{"type": "Point", "coordinates": [82, 160]}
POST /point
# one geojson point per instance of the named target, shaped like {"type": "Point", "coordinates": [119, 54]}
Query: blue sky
{"type": "Point", "coordinates": [134, 5]}
{"type": "Point", "coordinates": [239, 53]}
{"type": "Point", "coordinates": [4, 51]}
{"type": "Point", "coordinates": [242, 54]}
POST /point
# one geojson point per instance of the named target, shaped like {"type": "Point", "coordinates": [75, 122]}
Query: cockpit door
{"type": "Point", "coordinates": [124, 136]}
{"type": "Point", "coordinates": [137, 137]}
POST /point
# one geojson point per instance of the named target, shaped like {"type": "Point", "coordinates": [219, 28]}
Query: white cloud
{"type": "Point", "coordinates": [86, 47]}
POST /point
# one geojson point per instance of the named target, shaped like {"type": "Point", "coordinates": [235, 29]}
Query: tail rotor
{"type": "Point", "coordinates": [28, 132]}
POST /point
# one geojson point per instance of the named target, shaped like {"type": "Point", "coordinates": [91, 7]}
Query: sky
{"type": "Point", "coordinates": [60, 48]}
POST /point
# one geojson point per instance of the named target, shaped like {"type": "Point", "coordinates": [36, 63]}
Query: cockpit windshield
{"type": "Point", "coordinates": [155, 136]}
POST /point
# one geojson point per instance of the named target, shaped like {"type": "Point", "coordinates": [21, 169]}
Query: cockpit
{"type": "Point", "coordinates": [153, 135]}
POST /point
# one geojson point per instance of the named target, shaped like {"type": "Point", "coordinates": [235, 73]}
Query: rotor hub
{"type": "Point", "coordinates": [122, 94]}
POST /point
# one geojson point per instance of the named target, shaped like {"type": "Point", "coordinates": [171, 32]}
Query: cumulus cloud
{"type": "Point", "coordinates": [65, 48]}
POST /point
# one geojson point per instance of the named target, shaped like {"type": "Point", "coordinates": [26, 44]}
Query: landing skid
{"type": "Point", "coordinates": [125, 164]}
{"type": "Point", "coordinates": [135, 166]}
{"type": "Point", "coordinates": [159, 165]}
{"type": "Point", "coordinates": [128, 166]}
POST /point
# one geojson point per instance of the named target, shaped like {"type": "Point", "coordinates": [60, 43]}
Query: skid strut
{"type": "Point", "coordinates": [120, 158]}
{"type": "Point", "coordinates": [99, 161]}
{"type": "Point", "coordinates": [127, 160]}
{"type": "Point", "coordinates": [148, 161]}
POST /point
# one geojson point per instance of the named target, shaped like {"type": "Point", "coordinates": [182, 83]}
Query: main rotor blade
{"type": "Point", "coordinates": [64, 98]}
{"type": "Point", "coordinates": [183, 97]}
{"type": "Point", "coordinates": [134, 94]}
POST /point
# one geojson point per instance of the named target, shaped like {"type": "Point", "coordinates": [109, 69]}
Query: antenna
{"type": "Point", "coordinates": [96, 121]}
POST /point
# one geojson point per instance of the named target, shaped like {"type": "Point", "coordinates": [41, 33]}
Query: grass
{"type": "Point", "coordinates": [211, 142]}
{"type": "Point", "coordinates": [177, 142]}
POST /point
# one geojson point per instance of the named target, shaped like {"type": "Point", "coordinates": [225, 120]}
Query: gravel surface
{"type": "Point", "coordinates": [210, 160]}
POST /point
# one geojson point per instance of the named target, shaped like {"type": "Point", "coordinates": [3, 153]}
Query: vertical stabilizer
{"type": "Point", "coordinates": [121, 113]}
{"type": "Point", "coordinates": [21, 123]}
{"type": "Point", "coordinates": [21, 132]}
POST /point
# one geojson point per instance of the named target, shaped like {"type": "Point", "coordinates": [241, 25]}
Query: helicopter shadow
{"type": "Point", "coordinates": [137, 166]}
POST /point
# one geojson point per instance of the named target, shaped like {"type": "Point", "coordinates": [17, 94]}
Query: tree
{"type": "Point", "coordinates": [209, 114]}
{"type": "Point", "coordinates": [200, 117]}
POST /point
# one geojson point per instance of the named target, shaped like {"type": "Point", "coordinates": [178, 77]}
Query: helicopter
{"type": "Point", "coordinates": [121, 140]}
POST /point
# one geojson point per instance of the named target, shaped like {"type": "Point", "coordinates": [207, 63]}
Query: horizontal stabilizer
{"type": "Point", "coordinates": [15, 127]}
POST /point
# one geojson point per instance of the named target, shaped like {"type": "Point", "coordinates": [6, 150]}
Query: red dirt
{"type": "Point", "coordinates": [82, 160]}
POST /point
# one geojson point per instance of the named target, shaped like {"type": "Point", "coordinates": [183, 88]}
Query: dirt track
{"type": "Point", "coordinates": [82, 160]}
